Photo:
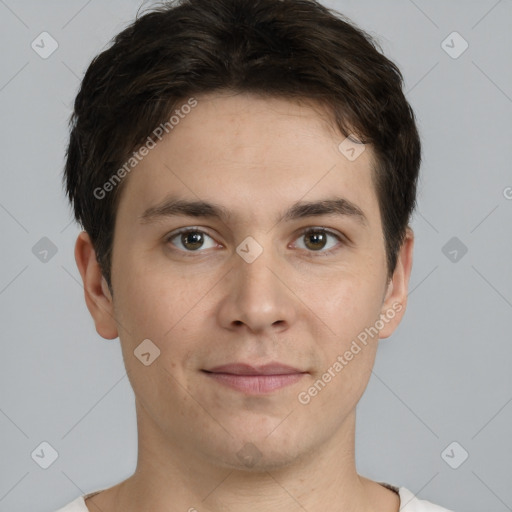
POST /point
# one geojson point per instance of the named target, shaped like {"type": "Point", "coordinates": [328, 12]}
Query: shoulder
{"type": "Point", "coordinates": [409, 503]}
{"type": "Point", "coordinates": [77, 505]}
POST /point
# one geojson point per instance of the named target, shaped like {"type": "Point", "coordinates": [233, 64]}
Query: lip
{"type": "Point", "coordinates": [247, 369]}
{"type": "Point", "coordinates": [255, 380]}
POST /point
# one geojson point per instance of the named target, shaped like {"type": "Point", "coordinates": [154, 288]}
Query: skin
{"type": "Point", "coordinates": [293, 304]}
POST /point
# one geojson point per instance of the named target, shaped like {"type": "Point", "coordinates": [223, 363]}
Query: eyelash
{"type": "Point", "coordinates": [310, 230]}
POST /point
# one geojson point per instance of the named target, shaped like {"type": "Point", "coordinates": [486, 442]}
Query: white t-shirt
{"type": "Point", "coordinates": [408, 502]}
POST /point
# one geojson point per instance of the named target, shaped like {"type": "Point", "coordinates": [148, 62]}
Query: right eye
{"type": "Point", "coordinates": [191, 239]}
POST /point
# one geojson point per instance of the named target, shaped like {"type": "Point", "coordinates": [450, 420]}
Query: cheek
{"type": "Point", "coordinates": [348, 354]}
{"type": "Point", "coordinates": [151, 301]}
{"type": "Point", "coordinates": [163, 308]}
{"type": "Point", "coordinates": [350, 342]}
{"type": "Point", "coordinates": [351, 307]}
{"type": "Point", "coordinates": [161, 311]}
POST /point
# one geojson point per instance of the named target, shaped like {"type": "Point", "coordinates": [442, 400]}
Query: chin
{"type": "Point", "coordinates": [257, 454]}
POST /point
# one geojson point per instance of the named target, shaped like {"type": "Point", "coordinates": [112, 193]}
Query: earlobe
{"type": "Point", "coordinates": [97, 295]}
{"type": "Point", "coordinates": [395, 302]}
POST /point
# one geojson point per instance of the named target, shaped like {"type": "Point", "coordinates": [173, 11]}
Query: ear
{"type": "Point", "coordinates": [97, 295]}
{"type": "Point", "coordinates": [395, 300]}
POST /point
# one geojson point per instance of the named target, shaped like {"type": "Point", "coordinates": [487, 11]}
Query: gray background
{"type": "Point", "coordinates": [443, 377]}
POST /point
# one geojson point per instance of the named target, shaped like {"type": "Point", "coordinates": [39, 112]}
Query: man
{"type": "Point", "coordinates": [245, 172]}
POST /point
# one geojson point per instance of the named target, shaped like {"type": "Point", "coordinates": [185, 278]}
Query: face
{"type": "Point", "coordinates": [264, 317]}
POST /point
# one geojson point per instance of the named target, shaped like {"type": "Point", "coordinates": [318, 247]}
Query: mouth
{"type": "Point", "coordinates": [255, 380]}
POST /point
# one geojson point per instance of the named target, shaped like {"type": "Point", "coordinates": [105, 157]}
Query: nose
{"type": "Point", "coordinates": [258, 296]}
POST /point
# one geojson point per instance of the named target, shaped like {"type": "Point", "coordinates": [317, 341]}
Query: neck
{"type": "Point", "coordinates": [170, 476]}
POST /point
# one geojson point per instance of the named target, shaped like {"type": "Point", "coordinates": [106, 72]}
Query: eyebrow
{"type": "Point", "coordinates": [173, 206]}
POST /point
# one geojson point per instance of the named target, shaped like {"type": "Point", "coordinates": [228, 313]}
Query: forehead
{"type": "Point", "coordinates": [252, 155]}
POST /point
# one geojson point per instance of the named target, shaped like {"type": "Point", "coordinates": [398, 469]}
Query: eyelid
{"type": "Point", "coordinates": [310, 229]}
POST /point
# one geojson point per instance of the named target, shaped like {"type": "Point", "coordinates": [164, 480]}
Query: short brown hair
{"type": "Point", "coordinates": [290, 49]}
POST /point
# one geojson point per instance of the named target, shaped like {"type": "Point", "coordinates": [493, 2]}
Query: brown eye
{"type": "Point", "coordinates": [190, 240]}
{"type": "Point", "coordinates": [317, 239]}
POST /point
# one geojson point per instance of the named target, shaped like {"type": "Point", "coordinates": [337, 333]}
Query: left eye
{"type": "Point", "coordinates": [193, 239]}
{"type": "Point", "coordinates": [316, 239]}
